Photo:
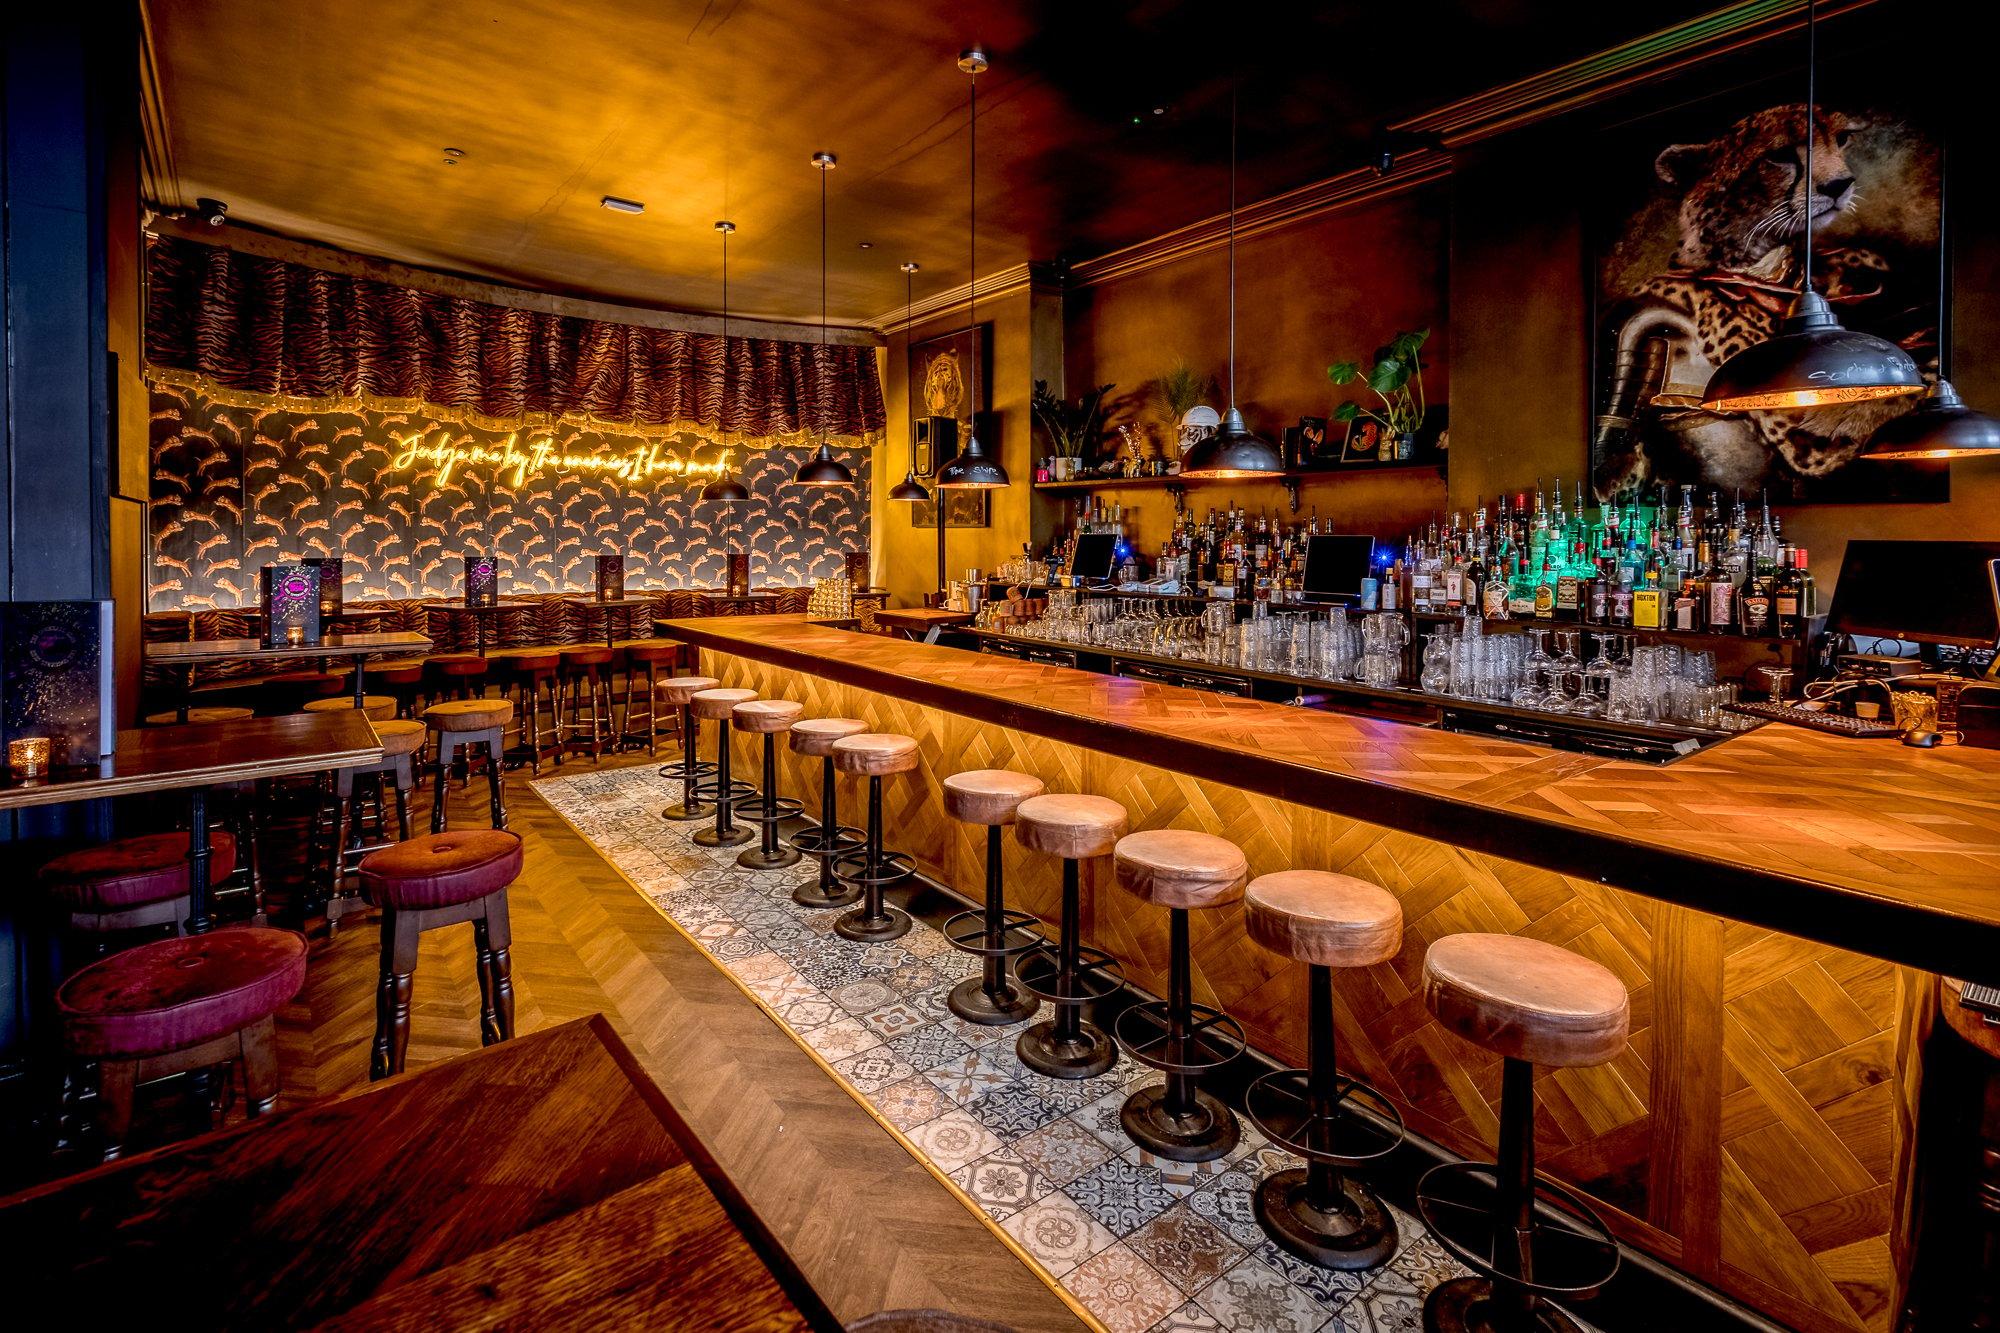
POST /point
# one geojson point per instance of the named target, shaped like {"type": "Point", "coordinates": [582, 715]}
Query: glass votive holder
{"type": "Point", "coordinates": [28, 756]}
{"type": "Point", "coordinates": [295, 635]}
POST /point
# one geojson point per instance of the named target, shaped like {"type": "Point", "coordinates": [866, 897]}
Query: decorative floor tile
{"type": "Point", "coordinates": [1188, 1251]}
{"type": "Point", "coordinates": [838, 1040]}
{"type": "Point", "coordinates": [874, 1069]}
{"type": "Point", "coordinates": [1229, 1201]}
{"type": "Point", "coordinates": [811, 1012]}
{"type": "Point", "coordinates": [1013, 1110]}
{"type": "Point", "coordinates": [971, 1075]}
{"type": "Point", "coordinates": [1330, 1287]}
{"type": "Point", "coordinates": [782, 991]}
{"type": "Point", "coordinates": [926, 1046]}
{"type": "Point", "coordinates": [1100, 1117]}
{"type": "Point", "coordinates": [1121, 1195]}
{"type": "Point", "coordinates": [1180, 1178]}
{"type": "Point", "coordinates": [1122, 1290]}
{"type": "Point", "coordinates": [1062, 1149]}
{"type": "Point", "coordinates": [911, 1102]}
{"type": "Point", "coordinates": [1057, 1234]}
{"type": "Point", "coordinates": [1190, 1318]}
{"type": "Point", "coordinates": [1002, 1183]}
{"type": "Point", "coordinates": [1253, 1298]}
{"type": "Point", "coordinates": [954, 1139]}
{"type": "Point", "coordinates": [864, 997]}
{"type": "Point", "coordinates": [893, 1019]}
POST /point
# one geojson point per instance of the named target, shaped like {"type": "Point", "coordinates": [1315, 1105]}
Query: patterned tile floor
{"type": "Point", "coordinates": [1142, 1243]}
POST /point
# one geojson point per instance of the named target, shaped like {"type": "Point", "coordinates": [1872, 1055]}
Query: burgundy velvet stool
{"type": "Point", "coordinates": [719, 706]}
{"type": "Point", "coordinates": [691, 769]}
{"type": "Point", "coordinates": [1317, 1212]}
{"type": "Point", "coordinates": [130, 883]}
{"type": "Point", "coordinates": [815, 736]}
{"type": "Point", "coordinates": [768, 718]}
{"type": "Point", "coordinates": [874, 755]}
{"type": "Point", "coordinates": [178, 1005]}
{"type": "Point", "coordinates": [1069, 976]}
{"type": "Point", "coordinates": [211, 714]}
{"type": "Point", "coordinates": [402, 742]}
{"type": "Point", "coordinates": [438, 880]}
{"type": "Point", "coordinates": [403, 681]}
{"type": "Point", "coordinates": [583, 676]}
{"type": "Point", "coordinates": [290, 691]}
{"type": "Point", "coordinates": [455, 676]}
{"type": "Point", "coordinates": [460, 726]}
{"type": "Point", "coordinates": [989, 797]}
{"type": "Point", "coordinates": [650, 658]}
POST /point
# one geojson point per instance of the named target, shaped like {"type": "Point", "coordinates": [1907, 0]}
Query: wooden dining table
{"type": "Point", "coordinates": [606, 606]}
{"type": "Point", "coordinates": [358, 648]}
{"type": "Point", "coordinates": [545, 1181]}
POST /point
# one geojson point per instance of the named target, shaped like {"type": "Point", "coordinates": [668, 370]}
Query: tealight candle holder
{"type": "Point", "coordinates": [28, 756]}
{"type": "Point", "coordinates": [295, 635]}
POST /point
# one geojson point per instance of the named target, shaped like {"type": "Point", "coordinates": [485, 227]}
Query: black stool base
{"type": "Point", "coordinates": [1465, 1305]}
{"type": "Point", "coordinates": [1359, 1233]}
{"type": "Point", "coordinates": [683, 813]}
{"type": "Point", "coordinates": [807, 894]}
{"type": "Point", "coordinates": [970, 1001]}
{"type": "Point", "coordinates": [1085, 1056]}
{"type": "Point", "coordinates": [1203, 1135]}
{"type": "Point", "coordinates": [736, 837]}
{"type": "Point", "coordinates": [893, 924]}
{"type": "Point", "coordinates": [755, 859]}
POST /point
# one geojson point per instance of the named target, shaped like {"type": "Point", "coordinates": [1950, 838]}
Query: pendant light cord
{"type": "Point", "coordinates": [972, 253]}
{"type": "Point", "coordinates": [1812, 114]}
{"type": "Point", "coordinates": [1944, 269]}
{"type": "Point", "coordinates": [1232, 244]}
{"type": "Point", "coordinates": [821, 395]}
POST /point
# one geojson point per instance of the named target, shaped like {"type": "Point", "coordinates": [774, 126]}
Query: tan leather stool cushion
{"type": "Point", "coordinates": [470, 714]}
{"type": "Point", "coordinates": [1316, 916]}
{"type": "Point", "coordinates": [712, 705]}
{"type": "Point", "coordinates": [677, 691]}
{"type": "Point", "coordinates": [988, 795]}
{"type": "Point", "coordinates": [874, 754]}
{"type": "Point", "coordinates": [1180, 868]}
{"type": "Point", "coordinates": [400, 737]}
{"type": "Point", "coordinates": [375, 707]}
{"type": "Point", "coordinates": [1527, 999]}
{"type": "Point", "coordinates": [1069, 825]}
{"type": "Point", "coordinates": [763, 716]}
{"type": "Point", "coordinates": [816, 735]}
{"type": "Point", "coordinates": [199, 715]}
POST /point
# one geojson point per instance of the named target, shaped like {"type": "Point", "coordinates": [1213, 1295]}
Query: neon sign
{"type": "Point", "coordinates": [516, 464]}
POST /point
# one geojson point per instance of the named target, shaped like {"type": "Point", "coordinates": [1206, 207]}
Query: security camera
{"type": "Point", "coordinates": [212, 211]}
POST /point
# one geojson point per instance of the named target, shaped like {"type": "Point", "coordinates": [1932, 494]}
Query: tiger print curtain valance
{"type": "Point", "coordinates": [245, 327]}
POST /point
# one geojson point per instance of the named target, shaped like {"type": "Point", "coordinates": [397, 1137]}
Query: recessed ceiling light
{"type": "Point", "coordinates": [451, 156]}
{"type": "Point", "coordinates": [868, 245]}
{"type": "Point", "coordinates": [617, 205]}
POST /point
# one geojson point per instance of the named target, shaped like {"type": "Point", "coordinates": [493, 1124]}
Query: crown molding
{"type": "Point", "coordinates": [159, 183]}
{"type": "Point", "coordinates": [993, 287]}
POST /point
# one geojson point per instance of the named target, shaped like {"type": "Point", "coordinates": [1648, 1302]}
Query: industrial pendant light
{"type": "Point", "coordinates": [725, 489]}
{"type": "Point", "coordinates": [909, 489]}
{"type": "Point", "coordinates": [1813, 362]}
{"type": "Point", "coordinates": [973, 469]}
{"type": "Point", "coordinates": [1233, 451]}
{"type": "Point", "coordinates": [823, 469]}
{"type": "Point", "coordinates": [1941, 426]}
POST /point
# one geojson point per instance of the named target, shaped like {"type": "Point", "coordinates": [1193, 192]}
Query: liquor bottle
{"type": "Point", "coordinates": [1646, 601]}
{"type": "Point", "coordinates": [1570, 581]}
{"type": "Point", "coordinates": [1392, 586]}
{"type": "Point", "coordinates": [1687, 608]}
{"type": "Point", "coordinates": [1753, 606]}
{"type": "Point", "coordinates": [1808, 587]}
{"type": "Point", "coordinates": [1521, 590]}
{"type": "Point", "coordinates": [1493, 594]}
{"type": "Point", "coordinates": [1786, 602]}
{"type": "Point", "coordinates": [1597, 605]}
{"type": "Point", "coordinates": [1720, 615]}
{"type": "Point", "coordinates": [1545, 589]}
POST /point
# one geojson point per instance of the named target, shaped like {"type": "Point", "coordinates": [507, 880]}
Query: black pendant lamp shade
{"type": "Point", "coordinates": [909, 489]}
{"type": "Point", "coordinates": [1233, 451]}
{"type": "Point", "coordinates": [823, 469]}
{"type": "Point", "coordinates": [974, 469]}
{"type": "Point", "coordinates": [1813, 362]}
{"type": "Point", "coordinates": [725, 489]}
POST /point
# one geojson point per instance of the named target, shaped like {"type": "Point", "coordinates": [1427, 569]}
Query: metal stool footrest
{"type": "Point", "coordinates": [1018, 933]}
{"type": "Point", "coordinates": [1280, 1105]}
{"type": "Point", "coordinates": [1571, 1254]}
{"type": "Point", "coordinates": [818, 841]}
{"type": "Point", "coordinates": [703, 771]}
{"type": "Point", "coordinates": [896, 867]}
{"type": "Point", "coordinates": [1098, 975]}
{"type": "Point", "coordinates": [1142, 1033]}
{"type": "Point", "coordinates": [706, 791]}
{"type": "Point", "coordinates": [751, 809]}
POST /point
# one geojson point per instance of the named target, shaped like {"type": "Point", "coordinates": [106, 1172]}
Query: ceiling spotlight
{"type": "Point", "coordinates": [451, 156]}
{"type": "Point", "coordinates": [617, 205]}
{"type": "Point", "coordinates": [212, 211]}
{"type": "Point", "coordinates": [868, 245]}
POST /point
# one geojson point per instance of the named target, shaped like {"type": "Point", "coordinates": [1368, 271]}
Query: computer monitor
{"type": "Point", "coordinates": [1919, 592]}
{"type": "Point", "coordinates": [1091, 558]}
{"type": "Point", "coordinates": [1335, 566]}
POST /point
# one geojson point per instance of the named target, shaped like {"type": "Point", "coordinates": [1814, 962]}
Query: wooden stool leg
{"type": "Point", "coordinates": [438, 790]}
{"type": "Point", "coordinates": [117, 1084]}
{"type": "Point", "coordinates": [493, 936]}
{"type": "Point", "coordinates": [249, 821]}
{"type": "Point", "coordinates": [260, 1067]}
{"type": "Point", "coordinates": [405, 780]}
{"type": "Point", "coordinates": [392, 993]}
{"type": "Point", "coordinates": [496, 780]}
{"type": "Point", "coordinates": [652, 713]}
{"type": "Point", "coordinates": [343, 830]}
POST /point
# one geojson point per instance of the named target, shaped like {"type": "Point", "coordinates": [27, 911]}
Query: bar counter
{"type": "Point", "coordinates": [1756, 1133]}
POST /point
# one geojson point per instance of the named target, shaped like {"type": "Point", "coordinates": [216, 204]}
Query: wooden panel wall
{"type": "Point", "coordinates": [1750, 1134]}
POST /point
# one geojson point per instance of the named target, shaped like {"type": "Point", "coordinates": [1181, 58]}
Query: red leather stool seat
{"type": "Point", "coordinates": [132, 872]}
{"type": "Point", "coordinates": [441, 869]}
{"type": "Point", "coordinates": [172, 994]}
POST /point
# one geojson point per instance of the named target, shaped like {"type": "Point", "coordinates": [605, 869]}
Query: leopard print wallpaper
{"type": "Point", "coordinates": [235, 488]}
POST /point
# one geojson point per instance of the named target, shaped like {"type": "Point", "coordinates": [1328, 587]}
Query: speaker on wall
{"type": "Point", "coordinates": [935, 439]}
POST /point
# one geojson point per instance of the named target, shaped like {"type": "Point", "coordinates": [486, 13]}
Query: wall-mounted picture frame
{"type": "Point", "coordinates": [942, 376]}
{"type": "Point", "coordinates": [963, 509]}
{"type": "Point", "coordinates": [1363, 443]}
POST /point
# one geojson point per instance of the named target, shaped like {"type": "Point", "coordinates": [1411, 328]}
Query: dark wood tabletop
{"type": "Point", "coordinates": [543, 1182]}
{"type": "Point", "coordinates": [921, 617]}
{"type": "Point", "coordinates": [186, 652]}
{"type": "Point", "coordinates": [207, 754]}
{"type": "Point", "coordinates": [608, 603]}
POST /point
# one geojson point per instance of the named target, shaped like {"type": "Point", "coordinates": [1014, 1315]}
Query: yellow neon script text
{"type": "Point", "coordinates": [515, 465]}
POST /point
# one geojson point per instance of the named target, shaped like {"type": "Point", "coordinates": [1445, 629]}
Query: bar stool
{"type": "Point", "coordinates": [210, 714]}
{"type": "Point", "coordinates": [375, 707]}
{"type": "Point", "coordinates": [455, 676]}
{"type": "Point", "coordinates": [401, 742]}
{"type": "Point", "coordinates": [582, 671]}
{"type": "Point", "coordinates": [459, 726]}
{"type": "Point", "coordinates": [178, 1005]}
{"type": "Point", "coordinates": [1067, 975]}
{"type": "Point", "coordinates": [874, 755]}
{"type": "Point", "coordinates": [717, 706]}
{"type": "Point", "coordinates": [438, 880]}
{"type": "Point", "coordinates": [290, 691]}
{"type": "Point", "coordinates": [1531, 1003]}
{"type": "Point", "coordinates": [989, 796]}
{"type": "Point", "coordinates": [832, 839]}
{"type": "Point", "coordinates": [649, 657]}
{"type": "Point", "coordinates": [1325, 921]}
{"type": "Point", "coordinates": [767, 718]}
{"type": "Point", "coordinates": [532, 677]}
{"type": "Point", "coordinates": [679, 692]}
{"type": "Point", "coordinates": [129, 883]}
{"type": "Point", "coordinates": [402, 682]}
{"type": "Point", "coordinates": [1182, 871]}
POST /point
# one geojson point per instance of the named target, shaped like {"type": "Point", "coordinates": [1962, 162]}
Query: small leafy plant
{"type": "Point", "coordinates": [1071, 427]}
{"type": "Point", "coordinates": [1179, 391]}
{"type": "Point", "coordinates": [1396, 378]}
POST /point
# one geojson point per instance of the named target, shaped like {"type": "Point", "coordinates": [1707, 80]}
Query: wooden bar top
{"type": "Point", "coordinates": [184, 651]}
{"type": "Point", "coordinates": [1865, 844]}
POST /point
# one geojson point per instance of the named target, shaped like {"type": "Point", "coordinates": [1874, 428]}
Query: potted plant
{"type": "Point", "coordinates": [1176, 393]}
{"type": "Point", "coordinates": [1071, 427]}
{"type": "Point", "coordinates": [1396, 378]}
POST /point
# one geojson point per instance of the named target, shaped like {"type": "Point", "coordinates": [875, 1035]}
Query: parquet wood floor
{"type": "Point", "coordinates": [870, 1228]}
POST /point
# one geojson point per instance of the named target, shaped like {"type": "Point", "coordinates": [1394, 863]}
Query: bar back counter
{"type": "Point", "coordinates": [1779, 906]}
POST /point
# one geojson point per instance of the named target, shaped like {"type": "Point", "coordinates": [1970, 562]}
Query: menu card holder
{"type": "Point", "coordinates": [737, 579]}
{"type": "Point", "coordinates": [56, 679]}
{"type": "Point", "coordinates": [331, 579]}
{"type": "Point", "coordinates": [856, 566]}
{"type": "Point", "coordinates": [482, 581]}
{"type": "Point", "coordinates": [290, 598]}
{"type": "Point", "coordinates": [610, 578]}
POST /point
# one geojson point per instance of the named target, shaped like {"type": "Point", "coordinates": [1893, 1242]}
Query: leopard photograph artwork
{"type": "Point", "coordinates": [1698, 219]}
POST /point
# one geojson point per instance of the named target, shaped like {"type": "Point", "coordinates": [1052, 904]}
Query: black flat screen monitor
{"type": "Point", "coordinates": [1335, 566]}
{"type": "Point", "coordinates": [1090, 559]}
{"type": "Point", "coordinates": [1919, 592]}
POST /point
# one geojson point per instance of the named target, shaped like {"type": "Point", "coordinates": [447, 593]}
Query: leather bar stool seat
{"type": "Point", "coordinates": [988, 798]}
{"type": "Point", "coordinates": [1317, 1212]}
{"type": "Point", "coordinates": [874, 755]}
{"type": "Point", "coordinates": [461, 726]}
{"type": "Point", "coordinates": [679, 692]}
{"type": "Point", "coordinates": [1183, 871]}
{"type": "Point", "coordinates": [532, 677]}
{"type": "Point", "coordinates": [1529, 1002]}
{"type": "Point", "coordinates": [584, 678]}
{"type": "Point", "coordinates": [376, 707]}
{"type": "Point", "coordinates": [214, 713]}
{"type": "Point", "coordinates": [401, 680]}
{"type": "Point", "coordinates": [814, 738]}
{"type": "Point", "coordinates": [769, 718]}
{"type": "Point", "coordinates": [177, 1005]}
{"type": "Point", "coordinates": [131, 882]}
{"type": "Point", "coordinates": [766, 717]}
{"type": "Point", "coordinates": [649, 657]}
{"type": "Point", "coordinates": [718, 705]}
{"type": "Point", "coordinates": [290, 691]}
{"type": "Point", "coordinates": [437, 880]}
{"type": "Point", "coordinates": [1076, 828]}
{"type": "Point", "coordinates": [469, 714]}
{"type": "Point", "coordinates": [400, 737]}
